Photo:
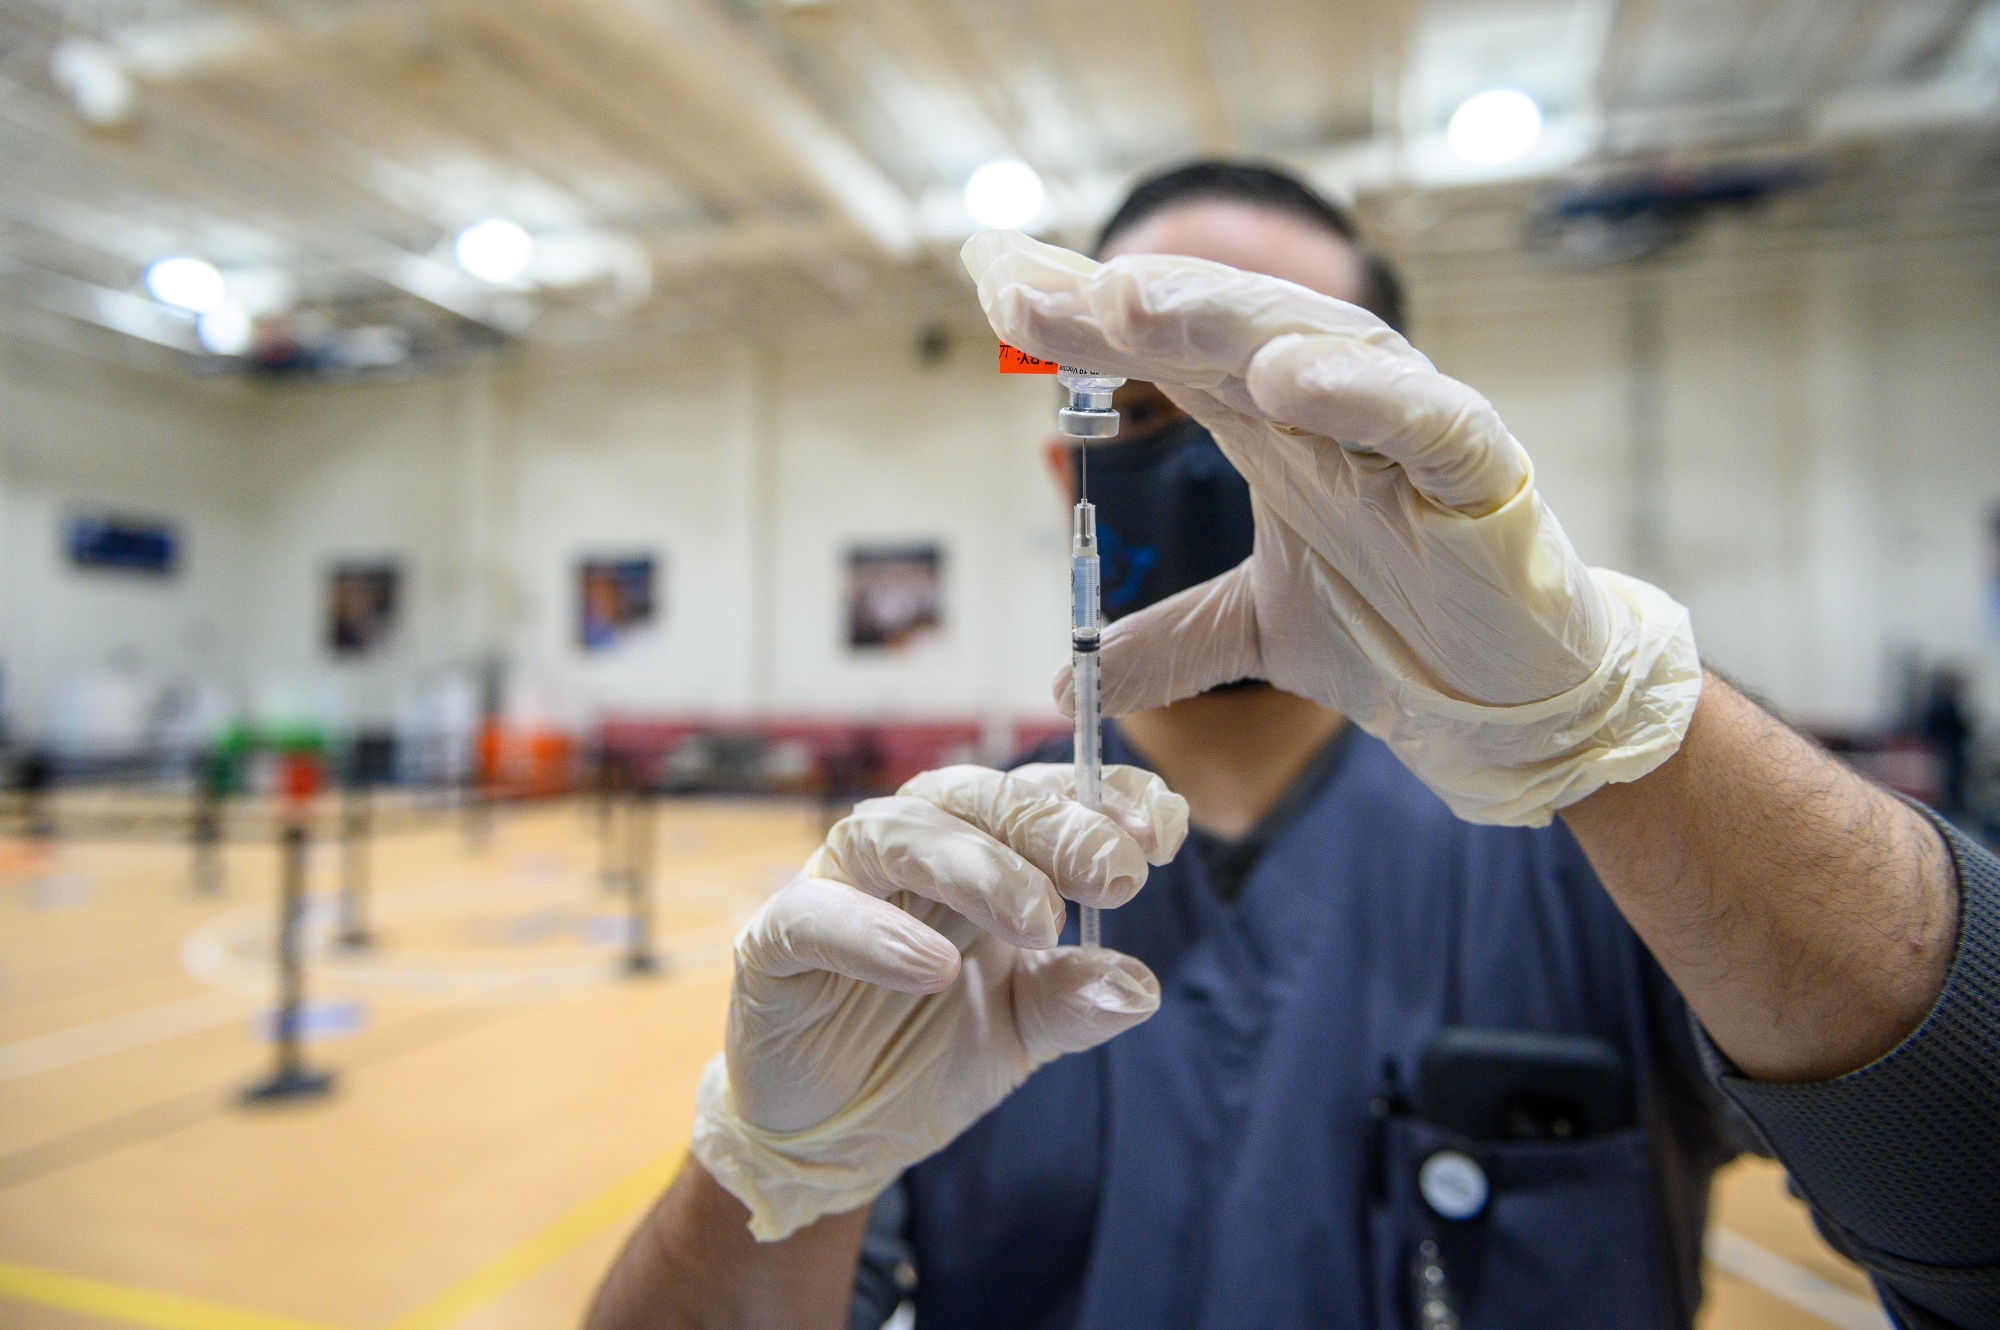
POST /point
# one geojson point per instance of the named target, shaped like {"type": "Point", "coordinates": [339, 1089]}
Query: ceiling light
{"type": "Point", "coordinates": [190, 284]}
{"type": "Point", "coordinates": [225, 330]}
{"type": "Point", "coordinates": [94, 78]}
{"type": "Point", "coordinates": [495, 250]}
{"type": "Point", "coordinates": [1004, 193]}
{"type": "Point", "coordinates": [1495, 126]}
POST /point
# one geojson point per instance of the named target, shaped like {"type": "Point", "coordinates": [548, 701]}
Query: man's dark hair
{"type": "Point", "coordinates": [1261, 187]}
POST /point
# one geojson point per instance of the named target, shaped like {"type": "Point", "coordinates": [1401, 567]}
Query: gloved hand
{"type": "Point", "coordinates": [909, 979]}
{"type": "Point", "coordinates": [1408, 576]}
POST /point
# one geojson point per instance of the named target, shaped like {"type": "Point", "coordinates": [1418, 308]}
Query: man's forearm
{"type": "Point", "coordinates": [692, 1265]}
{"type": "Point", "coordinates": [1807, 916]}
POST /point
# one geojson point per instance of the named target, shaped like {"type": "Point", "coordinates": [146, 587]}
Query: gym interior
{"type": "Point", "coordinates": [485, 484]}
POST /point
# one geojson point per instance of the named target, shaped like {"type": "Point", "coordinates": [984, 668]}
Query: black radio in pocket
{"type": "Point", "coordinates": [1518, 1085]}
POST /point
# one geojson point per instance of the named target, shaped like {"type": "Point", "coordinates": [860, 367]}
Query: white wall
{"type": "Point", "coordinates": [655, 456]}
{"type": "Point", "coordinates": [76, 435]}
{"type": "Point", "coordinates": [386, 472]}
{"type": "Point", "coordinates": [1830, 429]}
{"type": "Point", "coordinates": [748, 469]}
{"type": "Point", "coordinates": [1828, 463]}
{"type": "Point", "coordinates": [875, 450]}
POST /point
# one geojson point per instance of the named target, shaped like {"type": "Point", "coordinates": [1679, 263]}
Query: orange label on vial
{"type": "Point", "coordinates": [1015, 361]}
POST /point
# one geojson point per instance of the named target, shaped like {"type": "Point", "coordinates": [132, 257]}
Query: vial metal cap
{"type": "Point", "coordinates": [1087, 424]}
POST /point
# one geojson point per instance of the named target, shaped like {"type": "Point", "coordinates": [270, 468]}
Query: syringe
{"type": "Point", "coordinates": [1088, 416]}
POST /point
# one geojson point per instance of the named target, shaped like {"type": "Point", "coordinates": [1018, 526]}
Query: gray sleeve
{"type": "Point", "coordinates": [886, 1274]}
{"type": "Point", "coordinates": [1900, 1160]}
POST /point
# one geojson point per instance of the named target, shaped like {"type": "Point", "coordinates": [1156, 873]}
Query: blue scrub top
{"type": "Point", "coordinates": [1244, 1158]}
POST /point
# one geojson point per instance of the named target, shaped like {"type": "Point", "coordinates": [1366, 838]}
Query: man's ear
{"type": "Point", "coordinates": [1055, 454]}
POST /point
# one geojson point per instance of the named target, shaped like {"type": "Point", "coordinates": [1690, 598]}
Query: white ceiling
{"type": "Point", "coordinates": [695, 163]}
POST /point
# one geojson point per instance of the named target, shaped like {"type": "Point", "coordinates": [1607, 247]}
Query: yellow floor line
{"type": "Point", "coordinates": [513, 1268]}
{"type": "Point", "coordinates": [133, 1306]}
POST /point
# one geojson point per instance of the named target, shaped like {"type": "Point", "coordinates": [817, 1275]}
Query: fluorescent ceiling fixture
{"type": "Point", "coordinates": [189, 284]}
{"type": "Point", "coordinates": [225, 330]}
{"type": "Point", "coordinates": [1495, 126]}
{"type": "Point", "coordinates": [495, 250]}
{"type": "Point", "coordinates": [1004, 193]}
{"type": "Point", "coordinates": [94, 78]}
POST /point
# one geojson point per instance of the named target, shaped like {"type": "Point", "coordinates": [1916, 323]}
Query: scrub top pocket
{"type": "Point", "coordinates": [1514, 1235]}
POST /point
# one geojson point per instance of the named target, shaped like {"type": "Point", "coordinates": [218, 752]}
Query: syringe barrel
{"type": "Point", "coordinates": [1084, 637]}
{"type": "Point", "coordinates": [1084, 630]}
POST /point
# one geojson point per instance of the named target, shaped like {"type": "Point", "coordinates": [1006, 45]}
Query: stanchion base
{"type": "Point", "coordinates": [295, 1083]}
{"type": "Point", "coordinates": [643, 963]}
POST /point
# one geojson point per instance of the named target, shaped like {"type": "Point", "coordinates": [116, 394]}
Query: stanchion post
{"type": "Point", "coordinates": [639, 957]}
{"type": "Point", "coordinates": [478, 815]}
{"type": "Point", "coordinates": [35, 778]}
{"type": "Point", "coordinates": [484, 789]}
{"type": "Point", "coordinates": [609, 786]}
{"type": "Point", "coordinates": [356, 818]}
{"type": "Point", "coordinates": [291, 1078]}
{"type": "Point", "coordinates": [207, 831]}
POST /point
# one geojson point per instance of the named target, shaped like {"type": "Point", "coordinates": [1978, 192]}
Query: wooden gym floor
{"type": "Point", "coordinates": [505, 1105]}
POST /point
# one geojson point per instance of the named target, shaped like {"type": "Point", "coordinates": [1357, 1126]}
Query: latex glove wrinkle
{"type": "Point", "coordinates": [1406, 571]}
{"type": "Point", "coordinates": [908, 980]}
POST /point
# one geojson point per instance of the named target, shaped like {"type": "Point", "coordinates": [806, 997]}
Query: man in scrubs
{"type": "Point", "coordinates": [1478, 924]}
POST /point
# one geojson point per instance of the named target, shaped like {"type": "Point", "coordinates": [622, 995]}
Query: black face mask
{"type": "Point", "coordinates": [1171, 512]}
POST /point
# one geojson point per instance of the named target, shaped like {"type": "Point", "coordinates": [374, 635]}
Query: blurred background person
{"type": "Point", "coordinates": [1950, 729]}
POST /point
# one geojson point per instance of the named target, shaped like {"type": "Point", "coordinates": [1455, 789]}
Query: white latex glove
{"type": "Point", "coordinates": [909, 979]}
{"type": "Point", "coordinates": [1408, 576]}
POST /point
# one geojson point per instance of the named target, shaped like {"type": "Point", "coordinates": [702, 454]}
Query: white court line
{"type": "Point", "coordinates": [118, 1034]}
{"type": "Point", "coordinates": [1802, 1288]}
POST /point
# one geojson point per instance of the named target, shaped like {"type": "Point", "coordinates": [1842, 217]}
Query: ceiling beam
{"type": "Point", "coordinates": [120, 311]}
{"type": "Point", "coordinates": [1618, 63]}
{"type": "Point", "coordinates": [1828, 74]}
{"type": "Point", "coordinates": [206, 172]}
{"type": "Point", "coordinates": [711, 52]}
{"type": "Point", "coordinates": [1208, 104]}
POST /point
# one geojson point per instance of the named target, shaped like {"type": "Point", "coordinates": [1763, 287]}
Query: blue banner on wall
{"type": "Point", "coordinates": [126, 544]}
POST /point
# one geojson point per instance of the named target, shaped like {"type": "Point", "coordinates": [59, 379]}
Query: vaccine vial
{"type": "Point", "coordinates": [1089, 414]}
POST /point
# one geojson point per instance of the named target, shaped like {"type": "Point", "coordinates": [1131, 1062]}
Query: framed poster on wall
{"type": "Point", "coordinates": [362, 605]}
{"type": "Point", "coordinates": [895, 596]}
{"type": "Point", "coordinates": [616, 598]}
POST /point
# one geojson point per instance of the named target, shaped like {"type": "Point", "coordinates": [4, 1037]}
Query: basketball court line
{"type": "Point", "coordinates": [161, 1311]}
{"type": "Point", "coordinates": [127, 1305]}
{"type": "Point", "coordinates": [184, 1110]}
{"type": "Point", "coordinates": [122, 1033]}
{"type": "Point", "coordinates": [515, 1267]}
{"type": "Point", "coordinates": [1802, 1288]}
